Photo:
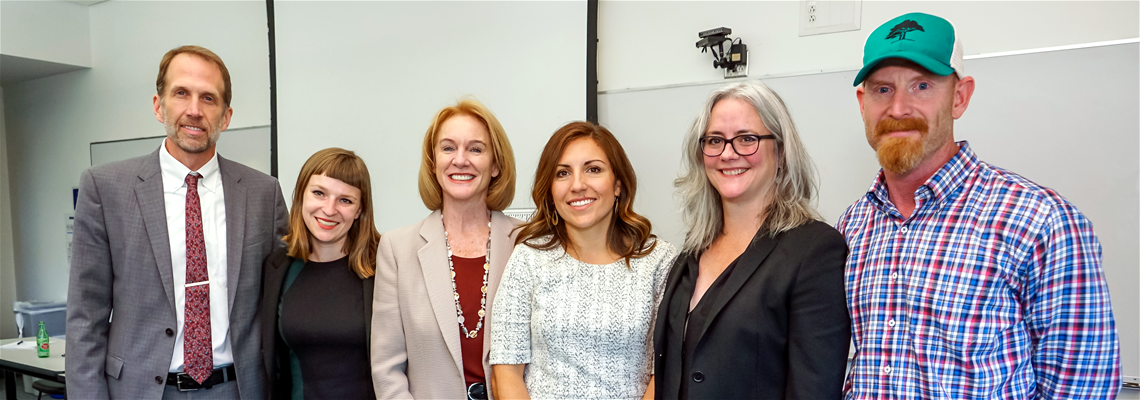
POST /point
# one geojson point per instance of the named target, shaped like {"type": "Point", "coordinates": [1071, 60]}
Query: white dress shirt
{"type": "Point", "coordinates": [214, 231]}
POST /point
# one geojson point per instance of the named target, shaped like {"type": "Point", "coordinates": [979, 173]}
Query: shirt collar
{"type": "Point", "coordinates": [174, 172]}
{"type": "Point", "coordinates": [940, 185]}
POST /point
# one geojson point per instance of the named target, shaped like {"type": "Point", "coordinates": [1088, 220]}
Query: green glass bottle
{"type": "Point", "coordinates": [42, 342]}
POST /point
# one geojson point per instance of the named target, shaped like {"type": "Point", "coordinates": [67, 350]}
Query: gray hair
{"type": "Point", "coordinates": [795, 181]}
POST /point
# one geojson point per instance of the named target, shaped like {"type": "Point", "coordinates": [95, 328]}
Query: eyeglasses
{"type": "Point", "coordinates": [744, 145]}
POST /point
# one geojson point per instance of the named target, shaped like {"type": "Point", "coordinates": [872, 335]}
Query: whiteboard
{"type": "Point", "coordinates": [249, 146]}
{"type": "Point", "coordinates": [1065, 119]}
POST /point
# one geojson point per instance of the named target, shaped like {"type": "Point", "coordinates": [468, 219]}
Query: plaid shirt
{"type": "Point", "coordinates": [991, 289]}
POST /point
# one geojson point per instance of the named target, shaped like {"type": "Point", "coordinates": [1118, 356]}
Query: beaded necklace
{"type": "Point", "coordinates": [455, 289]}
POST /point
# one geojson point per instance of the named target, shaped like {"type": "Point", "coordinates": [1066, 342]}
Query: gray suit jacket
{"type": "Point", "coordinates": [415, 333]}
{"type": "Point", "coordinates": [121, 262]}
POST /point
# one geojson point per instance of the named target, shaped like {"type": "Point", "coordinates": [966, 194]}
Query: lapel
{"type": "Point", "coordinates": [746, 265]}
{"type": "Point", "coordinates": [369, 286]}
{"type": "Point", "coordinates": [679, 267]}
{"type": "Point", "coordinates": [437, 278]}
{"type": "Point", "coordinates": [152, 204]}
{"type": "Point", "coordinates": [235, 196]}
{"type": "Point", "coordinates": [502, 244]}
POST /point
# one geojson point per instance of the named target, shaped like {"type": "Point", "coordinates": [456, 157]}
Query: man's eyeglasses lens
{"type": "Point", "coordinates": [744, 145]}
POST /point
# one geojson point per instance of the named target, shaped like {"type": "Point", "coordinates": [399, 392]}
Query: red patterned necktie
{"type": "Point", "coordinates": [196, 345]}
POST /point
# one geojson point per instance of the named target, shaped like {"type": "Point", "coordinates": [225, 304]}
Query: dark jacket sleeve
{"type": "Point", "coordinates": [819, 328]}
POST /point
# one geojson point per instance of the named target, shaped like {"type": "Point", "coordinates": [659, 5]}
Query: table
{"type": "Point", "coordinates": [26, 362]}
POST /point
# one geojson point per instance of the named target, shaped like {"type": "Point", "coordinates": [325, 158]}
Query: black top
{"type": "Point", "coordinates": [684, 326]}
{"type": "Point", "coordinates": [322, 322]}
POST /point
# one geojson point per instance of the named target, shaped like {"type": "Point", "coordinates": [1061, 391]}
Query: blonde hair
{"type": "Point", "coordinates": [501, 191]}
{"type": "Point", "coordinates": [363, 238]}
{"type": "Point", "coordinates": [795, 181]}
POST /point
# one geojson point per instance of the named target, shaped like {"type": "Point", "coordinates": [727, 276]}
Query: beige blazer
{"type": "Point", "coordinates": [415, 335]}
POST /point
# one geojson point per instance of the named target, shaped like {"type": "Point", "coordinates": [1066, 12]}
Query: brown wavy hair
{"type": "Point", "coordinates": [630, 235]}
{"type": "Point", "coordinates": [501, 191]}
{"type": "Point", "coordinates": [363, 238]}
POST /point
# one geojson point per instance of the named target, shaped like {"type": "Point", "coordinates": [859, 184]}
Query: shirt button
{"type": "Point", "coordinates": [698, 377]}
{"type": "Point", "coordinates": [887, 369]}
{"type": "Point", "coordinates": [891, 323]}
{"type": "Point", "coordinates": [894, 276]}
{"type": "Point", "coordinates": [904, 230]}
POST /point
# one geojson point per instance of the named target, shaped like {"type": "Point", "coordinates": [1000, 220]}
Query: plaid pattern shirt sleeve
{"type": "Point", "coordinates": [1069, 315]}
{"type": "Point", "coordinates": [992, 288]}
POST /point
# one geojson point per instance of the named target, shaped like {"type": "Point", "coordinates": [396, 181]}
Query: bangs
{"type": "Point", "coordinates": [344, 168]}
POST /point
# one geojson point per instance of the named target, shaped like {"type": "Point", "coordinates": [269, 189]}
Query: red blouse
{"type": "Point", "coordinates": [469, 284]}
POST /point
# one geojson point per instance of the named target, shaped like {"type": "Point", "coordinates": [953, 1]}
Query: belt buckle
{"type": "Point", "coordinates": [477, 386]}
{"type": "Point", "coordinates": [178, 380]}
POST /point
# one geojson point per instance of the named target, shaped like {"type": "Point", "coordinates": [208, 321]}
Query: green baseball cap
{"type": "Point", "coordinates": [927, 40]}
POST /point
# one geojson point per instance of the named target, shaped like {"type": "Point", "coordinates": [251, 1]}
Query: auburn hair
{"type": "Point", "coordinates": [629, 235]}
{"type": "Point", "coordinates": [363, 238]}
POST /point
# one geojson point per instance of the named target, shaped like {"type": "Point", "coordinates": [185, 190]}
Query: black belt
{"type": "Point", "coordinates": [477, 391]}
{"type": "Point", "coordinates": [185, 382]}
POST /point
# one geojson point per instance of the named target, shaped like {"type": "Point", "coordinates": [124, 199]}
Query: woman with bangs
{"type": "Point", "coordinates": [436, 279]}
{"type": "Point", "coordinates": [574, 314]}
{"type": "Point", "coordinates": [755, 307]}
{"type": "Point", "coordinates": [316, 304]}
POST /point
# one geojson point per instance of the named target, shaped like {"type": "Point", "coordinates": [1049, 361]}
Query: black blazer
{"type": "Point", "coordinates": [779, 328]}
{"type": "Point", "coordinates": [272, 278]}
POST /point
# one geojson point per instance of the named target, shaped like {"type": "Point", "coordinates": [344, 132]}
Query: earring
{"type": "Point", "coordinates": [554, 219]}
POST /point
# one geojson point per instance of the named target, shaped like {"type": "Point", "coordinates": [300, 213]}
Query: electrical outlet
{"type": "Point", "coordinates": [829, 16]}
{"type": "Point", "coordinates": [740, 71]}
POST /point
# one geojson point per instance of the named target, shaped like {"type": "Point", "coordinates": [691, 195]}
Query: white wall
{"type": "Point", "coordinates": [369, 76]}
{"type": "Point", "coordinates": [51, 121]}
{"type": "Point", "coordinates": [7, 261]}
{"type": "Point", "coordinates": [646, 54]}
{"type": "Point", "coordinates": [55, 31]}
{"type": "Point", "coordinates": [651, 43]}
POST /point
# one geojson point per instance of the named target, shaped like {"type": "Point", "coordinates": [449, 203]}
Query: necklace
{"type": "Point", "coordinates": [470, 334]}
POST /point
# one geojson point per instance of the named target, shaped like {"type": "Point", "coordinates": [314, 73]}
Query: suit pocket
{"type": "Point", "coordinates": [113, 366]}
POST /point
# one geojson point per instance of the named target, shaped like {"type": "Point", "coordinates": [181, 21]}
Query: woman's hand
{"type": "Point", "coordinates": [507, 382]}
{"type": "Point", "coordinates": [648, 390]}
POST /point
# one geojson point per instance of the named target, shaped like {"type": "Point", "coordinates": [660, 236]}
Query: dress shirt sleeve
{"type": "Point", "coordinates": [89, 296]}
{"type": "Point", "coordinates": [1069, 313]}
{"type": "Point", "coordinates": [510, 325]}
{"type": "Point", "coordinates": [819, 329]}
{"type": "Point", "coordinates": [660, 274]}
{"type": "Point", "coordinates": [389, 347]}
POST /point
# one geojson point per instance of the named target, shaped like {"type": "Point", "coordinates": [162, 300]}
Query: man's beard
{"type": "Point", "coordinates": [901, 154]}
{"type": "Point", "coordinates": [171, 125]}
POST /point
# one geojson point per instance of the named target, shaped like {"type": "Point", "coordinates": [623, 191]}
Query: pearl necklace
{"type": "Point", "coordinates": [455, 289]}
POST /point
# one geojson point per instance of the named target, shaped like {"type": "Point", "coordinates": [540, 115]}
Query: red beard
{"type": "Point", "coordinates": [900, 154]}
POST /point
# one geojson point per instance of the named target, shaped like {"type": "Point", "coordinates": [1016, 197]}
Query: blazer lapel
{"type": "Point", "coordinates": [437, 277]}
{"type": "Point", "coordinates": [680, 265]}
{"type": "Point", "coordinates": [152, 204]}
{"type": "Point", "coordinates": [746, 265]}
{"type": "Point", "coordinates": [235, 196]}
{"type": "Point", "coordinates": [369, 287]}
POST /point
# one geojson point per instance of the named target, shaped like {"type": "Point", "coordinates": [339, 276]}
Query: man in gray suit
{"type": "Point", "coordinates": [172, 244]}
